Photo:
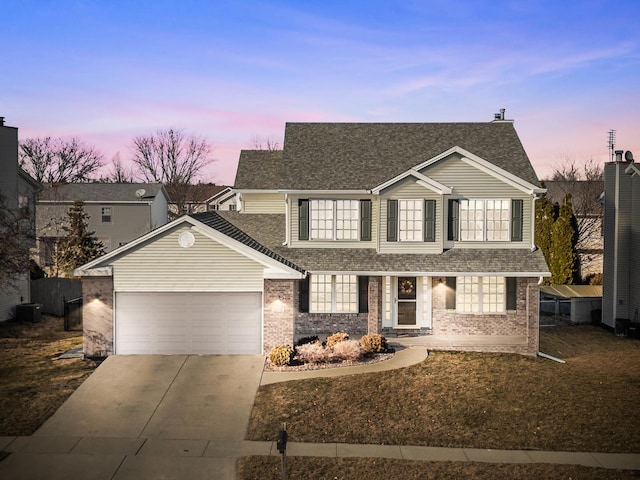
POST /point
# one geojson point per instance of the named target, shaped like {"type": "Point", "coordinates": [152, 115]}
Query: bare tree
{"type": "Point", "coordinates": [585, 184]}
{"type": "Point", "coordinates": [15, 230]}
{"type": "Point", "coordinates": [265, 143]}
{"type": "Point", "coordinates": [118, 173]}
{"type": "Point", "coordinates": [59, 160]}
{"type": "Point", "coordinates": [173, 158]}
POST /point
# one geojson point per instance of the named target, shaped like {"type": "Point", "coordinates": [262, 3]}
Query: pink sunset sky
{"type": "Point", "coordinates": [105, 72]}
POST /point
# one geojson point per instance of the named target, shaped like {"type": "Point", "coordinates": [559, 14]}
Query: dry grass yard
{"type": "Point", "coordinates": [475, 400]}
{"type": "Point", "coordinates": [33, 383]}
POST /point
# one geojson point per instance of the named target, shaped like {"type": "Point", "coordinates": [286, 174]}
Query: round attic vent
{"type": "Point", "coordinates": [140, 193]}
{"type": "Point", "coordinates": [186, 239]}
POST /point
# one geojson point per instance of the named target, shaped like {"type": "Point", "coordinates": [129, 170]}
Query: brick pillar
{"type": "Point", "coordinates": [279, 313]}
{"type": "Point", "coordinates": [374, 319]}
{"type": "Point", "coordinates": [533, 319]}
{"type": "Point", "coordinates": [97, 316]}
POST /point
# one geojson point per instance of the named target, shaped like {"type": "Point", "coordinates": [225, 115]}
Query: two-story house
{"type": "Point", "coordinates": [118, 213]}
{"type": "Point", "coordinates": [18, 192]}
{"type": "Point", "coordinates": [198, 198]}
{"type": "Point", "coordinates": [421, 229]}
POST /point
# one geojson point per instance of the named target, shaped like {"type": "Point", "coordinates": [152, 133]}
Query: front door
{"type": "Point", "coordinates": [407, 301]}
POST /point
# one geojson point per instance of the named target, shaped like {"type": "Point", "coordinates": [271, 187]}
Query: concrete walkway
{"type": "Point", "coordinates": [186, 417]}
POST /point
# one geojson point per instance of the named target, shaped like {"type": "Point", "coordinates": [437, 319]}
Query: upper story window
{"type": "Point", "coordinates": [410, 218]}
{"type": "Point", "coordinates": [106, 214]}
{"type": "Point", "coordinates": [329, 220]}
{"type": "Point", "coordinates": [23, 205]}
{"type": "Point", "coordinates": [334, 219]}
{"type": "Point", "coordinates": [492, 220]}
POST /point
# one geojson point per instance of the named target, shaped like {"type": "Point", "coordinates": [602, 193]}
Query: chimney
{"type": "Point", "coordinates": [619, 155]}
{"type": "Point", "coordinates": [502, 114]}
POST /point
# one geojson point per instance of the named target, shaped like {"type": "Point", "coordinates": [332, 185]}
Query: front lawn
{"type": "Point", "coordinates": [33, 383]}
{"type": "Point", "coordinates": [475, 400]}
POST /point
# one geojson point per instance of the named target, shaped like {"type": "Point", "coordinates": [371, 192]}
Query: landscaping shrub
{"type": "Point", "coordinates": [313, 353]}
{"type": "Point", "coordinates": [336, 337]}
{"type": "Point", "coordinates": [281, 355]}
{"type": "Point", "coordinates": [373, 343]}
{"type": "Point", "coordinates": [305, 340]}
{"type": "Point", "coordinates": [347, 350]}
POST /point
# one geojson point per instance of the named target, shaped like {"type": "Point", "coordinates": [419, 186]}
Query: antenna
{"type": "Point", "coordinates": [612, 143]}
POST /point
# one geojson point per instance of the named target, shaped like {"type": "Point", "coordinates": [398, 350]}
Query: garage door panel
{"type": "Point", "coordinates": [187, 322]}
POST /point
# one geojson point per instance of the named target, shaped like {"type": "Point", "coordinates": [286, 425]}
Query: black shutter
{"type": "Point", "coordinates": [303, 219]}
{"type": "Point", "coordinates": [392, 220]}
{"type": "Point", "coordinates": [429, 220]}
{"type": "Point", "coordinates": [452, 224]}
{"type": "Point", "coordinates": [516, 220]}
{"type": "Point", "coordinates": [303, 295]}
{"type": "Point", "coordinates": [450, 301]}
{"type": "Point", "coordinates": [363, 294]}
{"type": "Point", "coordinates": [512, 288]}
{"type": "Point", "coordinates": [365, 220]}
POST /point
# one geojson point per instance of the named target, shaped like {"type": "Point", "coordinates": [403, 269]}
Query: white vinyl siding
{"type": "Point", "coordinates": [207, 266]}
{"type": "Point", "coordinates": [262, 203]}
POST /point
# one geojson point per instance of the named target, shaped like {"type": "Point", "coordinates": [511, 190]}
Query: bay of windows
{"type": "Point", "coordinates": [480, 294]}
{"type": "Point", "coordinates": [334, 219]}
{"type": "Point", "coordinates": [485, 220]}
{"type": "Point", "coordinates": [333, 293]}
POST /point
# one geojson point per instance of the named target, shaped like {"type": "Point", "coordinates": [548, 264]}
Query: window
{"type": "Point", "coordinates": [480, 294]}
{"type": "Point", "coordinates": [334, 219]}
{"type": "Point", "coordinates": [105, 212]}
{"type": "Point", "coordinates": [410, 220]}
{"type": "Point", "coordinates": [232, 207]}
{"type": "Point", "coordinates": [23, 205]}
{"type": "Point", "coordinates": [484, 220]}
{"type": "Point", "coordinates": [334, 293]}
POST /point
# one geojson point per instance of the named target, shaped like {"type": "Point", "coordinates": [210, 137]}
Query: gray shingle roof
{"type": "Point", "coordinates": [345, 156]}
{"type": "Point", "coordinates": [269, 231]}
{"type": "Point", "coordinates": [98, 192]}
{"type": "Point", "coordinates": [259, 169]}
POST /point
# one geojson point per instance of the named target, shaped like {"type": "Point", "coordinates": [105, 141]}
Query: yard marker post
{"type": "Point", "coordinates": [282, 448]}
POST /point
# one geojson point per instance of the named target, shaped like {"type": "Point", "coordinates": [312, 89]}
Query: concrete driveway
{"type": "Point", "coordinates": [145, 417]}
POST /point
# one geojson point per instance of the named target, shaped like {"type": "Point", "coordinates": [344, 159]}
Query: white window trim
{"type": "Point", "coordinates": [420, 220]}
{"type": "Point", "coordinates": [480, 297]}
{"type": "Point", "coordinates": [102, 215]}
{"type": "Point", "coordinates": [334, 232]}
{"type": "Point", "coordinates": [484, 218]}
{"type": "Point", "coordinates": [334, 301]}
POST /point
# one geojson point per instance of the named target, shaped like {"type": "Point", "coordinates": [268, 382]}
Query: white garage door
{"type": "Point", "coordinates": [188, 323]}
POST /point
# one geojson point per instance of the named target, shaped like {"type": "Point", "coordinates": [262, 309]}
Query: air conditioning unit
{"type": "Point", "coordinates": [28, 312]}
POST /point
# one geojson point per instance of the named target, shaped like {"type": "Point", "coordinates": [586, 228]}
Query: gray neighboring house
{"type": "Point", "coordinates": [118, 212]}
{"type": "Point", "coordinates": [620, 299]}
{"type": "Point", "coordinates": [20, 190]}
{"type": "Point", "coordinates": [419, 229]}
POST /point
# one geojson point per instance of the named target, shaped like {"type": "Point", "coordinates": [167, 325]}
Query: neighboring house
{"type": "Point", "coordinates": [419, 229]}
{"type": "Point", "coordinates": [118, 212]}
{"type": "Point", "coordinates": [201, 197]}
{"type": "Point", "coordinates": [620, 299]}
{"type": "Point", "coordinates": [589, 216]}
{"type": "Point", "coordinates": [224, 200]}
{"type": "Point", "coordinates": [19, 190]}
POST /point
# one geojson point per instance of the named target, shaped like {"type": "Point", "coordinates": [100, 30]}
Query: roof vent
{"type": "Point", "coordinates": [1, 121]}
{"type": "Point", "coordinates": [499, 116]}
{"type": "Point", "coordinates": [619, 155]}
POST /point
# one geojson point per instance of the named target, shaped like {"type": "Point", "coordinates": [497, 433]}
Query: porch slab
{"type": "Point", "coordinates": [452, 341]}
